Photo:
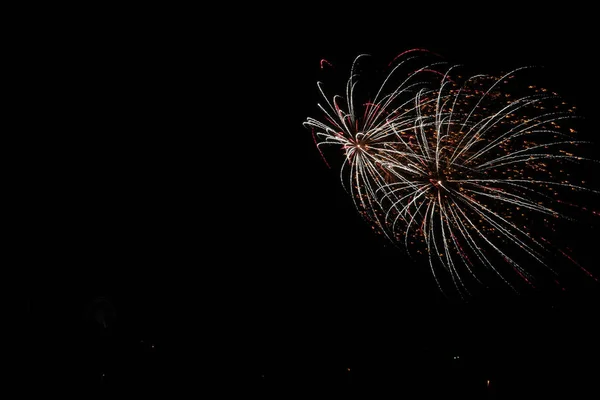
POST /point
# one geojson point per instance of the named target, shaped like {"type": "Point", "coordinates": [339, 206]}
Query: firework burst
{"type": "Point", "coordinates": [462, 171]}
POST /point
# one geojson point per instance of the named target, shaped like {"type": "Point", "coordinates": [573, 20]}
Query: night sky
{"type": "Point", "coordinates": [183, 232]}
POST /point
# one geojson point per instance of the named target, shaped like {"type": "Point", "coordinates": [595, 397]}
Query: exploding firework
{"type": "Point", "coordinates": [463, 171]}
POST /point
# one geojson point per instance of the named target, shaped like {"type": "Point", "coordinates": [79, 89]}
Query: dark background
{"type": "Point", "coordinates": [181, 231]}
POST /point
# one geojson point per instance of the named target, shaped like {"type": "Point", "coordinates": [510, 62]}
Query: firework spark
{"type": "Point", "coordinates": [460, 170]}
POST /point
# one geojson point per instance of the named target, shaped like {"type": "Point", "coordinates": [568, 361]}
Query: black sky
{"type": "Point", "coordinates": [171, 175]}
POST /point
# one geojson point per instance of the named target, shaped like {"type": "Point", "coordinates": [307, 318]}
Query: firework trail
{"type": "Point", "coordinates": [462, 171]}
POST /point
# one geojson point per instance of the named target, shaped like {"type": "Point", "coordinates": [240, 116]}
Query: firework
{"type": "Point", "coordinates": [462, 171]}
